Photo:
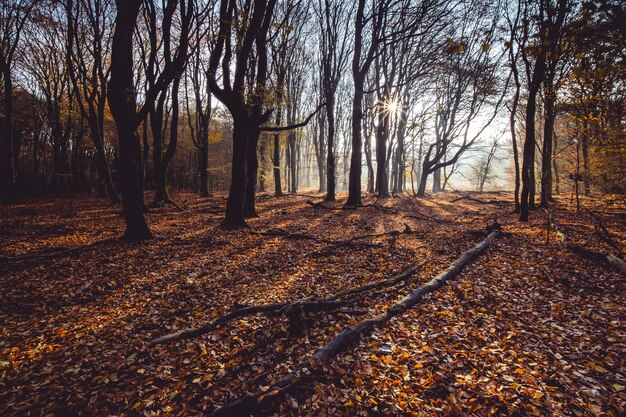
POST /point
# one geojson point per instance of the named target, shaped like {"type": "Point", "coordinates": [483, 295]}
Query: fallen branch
{"type": "Point", "coordinates": [246, 404]}
{"type": "Point", "coordinates": [306, 305]}
{"type": "Point", "coordinates": [289, 235]}
{"type": "Point", "coordinates": [405, 275]}
{"type": "Point", "coordinates": [336, 245]}
{"type": "Point", "coordinates": [603, 258]}
{"type": "Point", "coordinates": [466, 197]}
{"type": "Point", "coordinates": [271, 309]}
{"type": "Point", "coordinates": [600, 227]}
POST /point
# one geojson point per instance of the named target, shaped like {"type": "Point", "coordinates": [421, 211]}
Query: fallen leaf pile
{"type": "Point", "coordinates": [529, 328]}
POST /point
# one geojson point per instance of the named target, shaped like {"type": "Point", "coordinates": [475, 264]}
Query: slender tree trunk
{"type": "Point", "coordinates": [162, 194]}
{"type": "Point", "coordinates": [104, 174]}
{"type": "Point", "coordinates": [7, 165]}
{"type": "Point", "coordinates": [528, 164]}
{"type": "Point", "coordinates": [514, 106]}
{"type": "Point", "coordinates": [330, 157]}
{"type": "Point", "coordinates": [278, 189]}
{"type": "Point", "coordinates": [354, 186]}
{"type": "Point", "coordinates": [205, 188]}
{"type": "Point", "coordinates": [399, 154]}
{"type": "Point", "coordinates": [145, 154]}
{"type": "Point", "coordinates": [158, 138]}
{"type": "Point", "coordinates": [294, 161]}
{"type": "Point", "coordinates": [585, 149]}
{"type": "Point", "coordinates": [382, 132]}
{"type": "Point", "coordinates": [546, 157]}
{"type": "Point", "coordinates": [262, 163]}
{"type": "Point", "coordinates": [555, 168]}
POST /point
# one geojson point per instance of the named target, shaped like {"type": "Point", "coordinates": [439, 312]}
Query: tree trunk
{"type": "Point", "coordinates": [162, 193]}
{"type": "Point", "coordinates": [234, 206]}
{"type": "Point", "coordinates": [122, 101]}
{"type": "Point", "coordinates": [514, 133]}
{"type": "Point", "coordinates": [278, 189]}
{"type": "Point", "coordinates": [291, 141]}
{"type": "Point", "coordinates": [555, 168]}
{"type": "Point", "coordinates": [382, 132]}
{"type": "Point", "coordinates": [437, 180]}
{"type": "Point", "coordinates": [158, 139]}
{"type": "Point", "coordinates": [399, 154]}
{"type": "Point", "coordinates": [354, 186]}
{"type": "Point", "coordinates": [528, 163]}
{"type": "Point", "coordinates": [7, 162]}
{"type": "Point", "coordinates": [421, 189]}
{"type": "Point", "coordinates": [546, 157]}
{"type": "Point", "coordinates": [104, 174]}
{"type": "Point", "coordinates": [205, 188]}
{"type": "Point", "coordinates": [330, 157]}
{"type": "Point", "coordinates": [249, 206]}
{"type": "Point", "coordinates": [585, 148]}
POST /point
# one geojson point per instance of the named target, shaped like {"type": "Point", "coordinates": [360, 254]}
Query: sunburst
{"type": "Point", "coordinates": [392, 106]}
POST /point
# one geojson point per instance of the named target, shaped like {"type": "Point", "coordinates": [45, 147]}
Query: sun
{"type": "Point", "coordinates": [392, 106]}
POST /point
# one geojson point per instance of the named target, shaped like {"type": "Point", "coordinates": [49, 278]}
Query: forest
{"type": "Point", "coordinates": [312, 208]}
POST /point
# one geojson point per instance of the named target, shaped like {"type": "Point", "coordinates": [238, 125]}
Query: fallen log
{"type": "Point", "coordinates": [246, 404]}
{"type": "Point", "coordinates": [607, 259]}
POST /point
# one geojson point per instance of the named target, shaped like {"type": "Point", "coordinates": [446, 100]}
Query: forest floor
{"type": "Point", "coordinates": [528, 328]}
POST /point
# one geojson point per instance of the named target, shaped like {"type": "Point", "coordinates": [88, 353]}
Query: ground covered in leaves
{"type": "Point", "coordinates": [529, 328]}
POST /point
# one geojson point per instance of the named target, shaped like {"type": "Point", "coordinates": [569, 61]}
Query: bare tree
{"type": "Point", "coordinates": [13, 17]}
{"type": "Point", "coordinates": [550, 19]}
{"type": "Point", "coordinates": [122, 98]}
{"type": "Point", "coordinates": [88, 43]}
{"type": "Point", "coordinates": [233, 49]}
{"type": "Point", "coordinates": [334, 44]}
{"type": "Point", "coordinates": [465, 85]}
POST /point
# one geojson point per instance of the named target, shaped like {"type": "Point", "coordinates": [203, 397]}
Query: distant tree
{"type": "Point", "coordinates": [514, 46]}
{"type": "Point", "coordinates": [13, 16]}
{"type": "Point", "coordinates": [483, 167]}
{"type": "Point", "coordinates": [47, 64]}
{"type": "Point", "coordinates": [334, 45]}
{"type": "Point", "coordinates": [89, 35]}
{"type": "Point", "coordinates": [198, 78]}
{"type": "Point", "coordinates": [549, 19]}
{"type": "Point", "coordinates": [467, 82]}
